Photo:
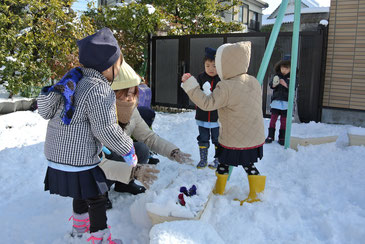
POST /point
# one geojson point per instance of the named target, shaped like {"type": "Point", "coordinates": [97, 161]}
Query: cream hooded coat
{"type": "Point", "coordinates": [237, 97]}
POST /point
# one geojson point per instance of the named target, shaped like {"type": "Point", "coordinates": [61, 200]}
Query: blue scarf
{"type": "Point", "coordinates": [66, 87]}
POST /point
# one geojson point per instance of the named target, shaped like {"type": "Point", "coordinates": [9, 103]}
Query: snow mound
{"type": "Point", "coordinates": [165, 201]}
{"type": "Point", "coordinates": [356, 131]}
{"type": "Point", "coordinates": [315, 130]}
{"type": "Point", "coordinates": [184, 232]}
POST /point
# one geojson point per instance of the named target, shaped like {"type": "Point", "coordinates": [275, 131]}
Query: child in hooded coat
{"type": "Point", "coordinates": [238, 99]}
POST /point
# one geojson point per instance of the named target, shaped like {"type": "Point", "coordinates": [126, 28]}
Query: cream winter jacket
{"type": "Point", "coordinates": [139, 130]}
{"type": "Point", "coordinates": [237, 97]}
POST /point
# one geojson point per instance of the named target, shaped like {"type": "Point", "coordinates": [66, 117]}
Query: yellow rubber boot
{"type": "Point", "coordinates": [257, 185]}
{"type": "Point", "coordinates": [220, 184]}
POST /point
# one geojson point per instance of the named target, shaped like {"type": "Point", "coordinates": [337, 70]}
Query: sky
{"type": "Point", "coordinates": [81, 5]}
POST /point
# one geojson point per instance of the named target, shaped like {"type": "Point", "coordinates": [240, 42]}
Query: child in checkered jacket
{"type": "Point", "coordinates": [82, 117]}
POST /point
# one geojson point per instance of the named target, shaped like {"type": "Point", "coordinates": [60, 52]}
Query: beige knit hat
{"type": "Point", "coordinates": [126, 78]}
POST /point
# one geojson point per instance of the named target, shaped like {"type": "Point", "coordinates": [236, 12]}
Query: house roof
{"type": "Point", "coordinates": [290, 8]}
{"type": "Point", "coordinates": [260, 3]}
{"type": "Point", "coordinates": [289, 18]}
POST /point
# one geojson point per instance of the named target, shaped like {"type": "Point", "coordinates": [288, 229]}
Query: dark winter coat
{"type": "Point", "coordinates": [208, 116]}
{"type": "Point", "coordinates": [280, 92]}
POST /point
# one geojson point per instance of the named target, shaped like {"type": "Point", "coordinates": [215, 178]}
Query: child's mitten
{"type": "Point", "coordinates": [181, 199]}
{"type": "Point", "coordinates": [192, 190]}
{"type": "Point", "coordinates": [131, 158]}
{"type": "Point", "coordinates": [275, 81]}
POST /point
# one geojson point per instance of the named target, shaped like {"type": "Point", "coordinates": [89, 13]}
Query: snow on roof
{"type": "Point", "coordinates": [289, 18]}
{"type": "Point", "coordinates": [290, 8]}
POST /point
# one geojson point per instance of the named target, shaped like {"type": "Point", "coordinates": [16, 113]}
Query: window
{"type": "Point", "coordinates": [253, 23]}
{"type": "Point", "coordinates": [253, 16]}
{"type": "Point", "coordinates": [243, 14]}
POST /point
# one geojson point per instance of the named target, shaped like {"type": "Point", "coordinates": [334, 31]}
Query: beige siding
{"type": "Point", "coordinates": [345, 68]}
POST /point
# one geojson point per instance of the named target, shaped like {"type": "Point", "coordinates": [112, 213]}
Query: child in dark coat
{"type": "Point", "coordinates": [279, 99]}
{"type": "Point", "coordinates": [207, 121]}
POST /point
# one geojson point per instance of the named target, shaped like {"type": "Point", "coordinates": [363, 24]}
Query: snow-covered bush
{"type": "Point", "coordinates": [37, 42]}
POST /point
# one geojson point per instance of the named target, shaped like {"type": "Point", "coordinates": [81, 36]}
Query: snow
{"type": "Point", "coordinates": [314, 130]}
{"type": "Point", "coordinates": [4, 96]}
{"type": "Point", "coordinates": [150, 8]}
{"type": "Point", "coordinates": [356, 131]}
{"type": "Point", "coordinates": [164, 202]}
{"type": "Point", "coordinates": [10, 58]}
{"type": "Point", "coordinates": [323, 22]}
{"type": "Point", "coordinates": [313, 195]}
{"type": "Point", "coordinates": [22, 32]}
{"type": "Point", "coordinates": [289, 15]}
{"type": "Point", "coordinates": [184, 232]}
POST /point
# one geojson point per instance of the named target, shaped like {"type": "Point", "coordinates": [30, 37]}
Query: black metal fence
{"type": "Point", "coordinates": [174, 55]}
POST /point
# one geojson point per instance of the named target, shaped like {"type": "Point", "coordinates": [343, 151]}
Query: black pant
{"type": "Point", "coordinates": [97, 211]}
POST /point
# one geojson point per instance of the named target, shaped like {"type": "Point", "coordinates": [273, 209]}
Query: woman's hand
{"type": "Point", "coordinates": [180, 157]}
{"type": "Point", "coordinates": [145, 174]}
{"type": "Point", "coordinates": [185, 77]}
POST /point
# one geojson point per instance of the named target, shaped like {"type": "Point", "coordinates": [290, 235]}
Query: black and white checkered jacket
{"type": "Point", "coordinates": [94, 123]}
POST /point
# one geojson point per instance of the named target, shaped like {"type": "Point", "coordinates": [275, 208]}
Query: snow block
{"type": "Point", "coordinates": [197, 232]}
{"type": "Point", "coordinates": [295, 141]}
{"type": "Point", "coordinates": [165, 207]}
{"type": "Point", "coordinates": [9, 106]}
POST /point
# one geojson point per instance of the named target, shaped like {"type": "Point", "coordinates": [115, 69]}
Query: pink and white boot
{"type": "Point", "coordinates": [81, 224]}
{"type": "Point", "coordinates": [103, 237]}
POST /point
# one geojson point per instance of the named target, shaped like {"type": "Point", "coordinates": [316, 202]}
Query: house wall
{"type": "Point", "coordinates": [344, 88]}
{"type": "Point", "coordinates": [252, 7]}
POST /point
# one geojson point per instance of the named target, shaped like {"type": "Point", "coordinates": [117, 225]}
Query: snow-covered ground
{"type": "Point", "coordinates": [313, 195]}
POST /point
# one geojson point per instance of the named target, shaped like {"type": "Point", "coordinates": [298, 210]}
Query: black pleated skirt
{"type": "Point", "coordinates": [80, 185]}
{"type": "Point", "coordinates": [235, 157]}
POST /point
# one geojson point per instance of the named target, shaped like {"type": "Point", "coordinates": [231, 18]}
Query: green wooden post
{"type": "Point", "coordinates": [293, 71]}
{"type": "Point", "coordinates": [269, 49]}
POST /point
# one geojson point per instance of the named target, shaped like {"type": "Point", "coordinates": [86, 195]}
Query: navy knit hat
{"type": "Point", "coordinates": [210, 53]}
{"type": "Point", "coordinates": [99, 51]}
